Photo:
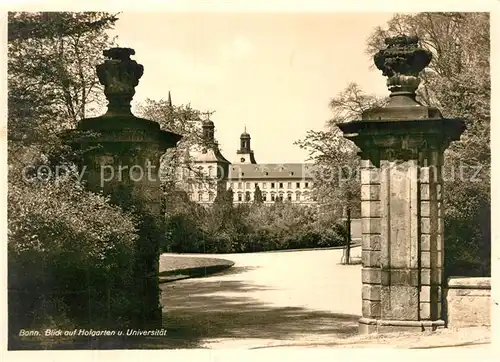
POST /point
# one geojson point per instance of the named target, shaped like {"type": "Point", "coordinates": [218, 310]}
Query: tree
{"type": "Point", "coordinates": [176, 164]}
{"type": "Point", "coordinates": [184, 220]}
{"type": "Point", "coordinates": [257, 196]}
{"type": "Point", "coordinates": [69, 249]}
{"type": "Point", "coordinates": [43, 25]}
{"type": "Point", "coordinates": [336, 173]}
{"type": "Point", "coordinates": [224, 199]}
{"type": "Point", "coordinates": [177, 169]}
{"type": "Point", "coordinates": [458, 82]}
{"type": "Point", "coordinates": [51, 71]}
{"type": "Point", "coordinates": [458, 78]}
{"type": "Point", "coordinates": [51, 80]}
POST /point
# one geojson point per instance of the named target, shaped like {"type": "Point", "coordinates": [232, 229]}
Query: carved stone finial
{"type": "Point", "coordinates": [401, 62]}
{"type": "Point", "coordinates": [120, 75]}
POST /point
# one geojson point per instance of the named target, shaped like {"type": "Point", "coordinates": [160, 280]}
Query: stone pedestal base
{"type": "Point", "coordinates": [369, 325]}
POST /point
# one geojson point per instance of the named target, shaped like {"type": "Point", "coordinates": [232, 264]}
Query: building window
{"type": "Point", "coordinates": [264, 185]}
{"type": "Point", "coordinates": [264, 196]}
{"type": "Point", "coordinates": [272, 197]}
{"type": "Point", "coordinates": [272, 185]}
{"type": "Point", "coordinates": [289, 197]}
{"type": "Point", "coordinates": [289, 185]}
{"type": "Point", "coordinates": [210, 197]}
{"type": "Point", "coordinates": [200, 196]}
{"type": "Point", "coordinates": [297, 197]}
{"type": "Point", "coordinates": [256, 185]}
{"type": "Point", "coordinates": [247, 185]}
{"type": "Point", "coordinates": [239, 185]}
{"type": "Point", "coordinates": [247, 196]}
{"type": "Point", "coordinates": [280, 197]}
{"type": "Point", "coordinates": [240, 197]}
{"type": "Point", "coordinates": [306, 184]}
{"type": "Point", "coordinates": [297, 185]}
{"type": "Point", "coordinates": [281, 185]}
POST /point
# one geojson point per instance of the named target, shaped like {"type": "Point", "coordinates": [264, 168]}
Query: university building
{"type": "Point", "coordinates": [213, 174]}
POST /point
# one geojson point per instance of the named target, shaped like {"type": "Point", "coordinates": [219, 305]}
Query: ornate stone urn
{"type": "Point", "coordinates": [119, 75]}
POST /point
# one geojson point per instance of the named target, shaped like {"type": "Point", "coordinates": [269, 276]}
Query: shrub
{"type": "Point", "coordinates": [69, 254]}
{"type": "Point", "coordinates": [467, 230]}
{"type": "Point", "coordinates": [223, 228]}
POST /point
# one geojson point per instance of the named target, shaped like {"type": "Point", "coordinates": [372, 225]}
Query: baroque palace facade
{"type": "Point", "coordinates": [287, 182]}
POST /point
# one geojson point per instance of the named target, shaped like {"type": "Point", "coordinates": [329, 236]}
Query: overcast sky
{"type": "Point", "coordinates": [274, 73]}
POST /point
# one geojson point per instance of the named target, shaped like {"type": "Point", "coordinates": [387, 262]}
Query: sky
{"type": "Point", "coordinates": [271, 72]}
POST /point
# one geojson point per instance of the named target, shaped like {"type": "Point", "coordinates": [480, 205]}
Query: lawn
{"type": "Point", "coordinates": [173, 267]}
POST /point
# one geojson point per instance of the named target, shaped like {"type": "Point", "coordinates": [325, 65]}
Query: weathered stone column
{"type": "Point", "coordinates": [402, 148]}
{"type": "Point", "coordinates": [120, 157]}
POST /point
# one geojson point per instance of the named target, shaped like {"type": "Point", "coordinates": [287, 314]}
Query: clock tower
{"type": "Point", "coordinates": [245, 154]}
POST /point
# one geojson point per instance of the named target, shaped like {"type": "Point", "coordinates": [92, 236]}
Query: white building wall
{"type": "Point", "coordinates": [298, 190]}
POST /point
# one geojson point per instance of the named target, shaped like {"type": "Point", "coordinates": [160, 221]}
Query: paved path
{"type": "Point", "coordinates": [266, 297]}
{"type": "Point", "coordinates": [278, 299]}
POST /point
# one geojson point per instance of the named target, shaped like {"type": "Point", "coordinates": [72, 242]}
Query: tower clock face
{"type": "Point", "coordinates": [242, 159]}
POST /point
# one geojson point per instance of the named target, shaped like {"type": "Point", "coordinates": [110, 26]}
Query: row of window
{"type": "Point", "coordinates": [211, 186]}
{"type": "Point", "coordinates": [272, 197]}
{"type": "Point", "coordinates": [210, 171]}
{"type": "Point", "coordinates": [263, 185]}
{"type": "Point", "coordinates": [273, 185]}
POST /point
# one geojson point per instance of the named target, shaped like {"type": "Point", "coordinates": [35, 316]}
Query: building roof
{"type": "Point", "coordinates": [207, 154]}
{"type": "Point", "coordinates": [245, 134]}
{"type": "Point", "coordinates": [271, 171]}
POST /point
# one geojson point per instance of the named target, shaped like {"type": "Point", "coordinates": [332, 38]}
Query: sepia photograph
{"type": "Point", "coordinates": [248, 180]}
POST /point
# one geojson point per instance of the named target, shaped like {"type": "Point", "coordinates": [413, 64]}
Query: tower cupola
{"type": "Point", "coordinates": [208, 130]}
{"type": "Point", "coordinates": [245, 153]}
{"type": "Point", "coordinates": [245, 142]}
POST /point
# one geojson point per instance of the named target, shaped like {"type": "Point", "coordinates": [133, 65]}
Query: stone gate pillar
{"type": "Point", "coordinates": [120, 157]}
{"type": "Point", "coordinates": [402, 148]}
